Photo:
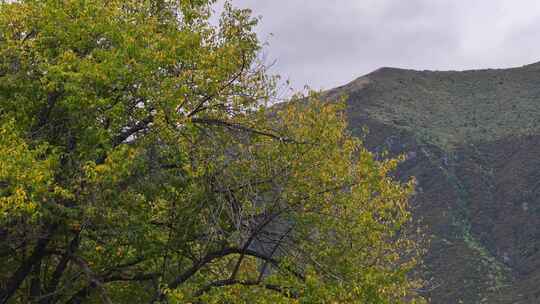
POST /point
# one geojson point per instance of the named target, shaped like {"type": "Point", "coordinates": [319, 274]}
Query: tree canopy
{"type": "Point", "coordinates": [142, 161]}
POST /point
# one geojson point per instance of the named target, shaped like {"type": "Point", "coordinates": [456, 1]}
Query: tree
{"type": "Point", "coordinates": [140, 162]}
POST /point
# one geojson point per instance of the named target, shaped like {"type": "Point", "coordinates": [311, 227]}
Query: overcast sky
{"type": "Point", "coordinates": [325, 43]}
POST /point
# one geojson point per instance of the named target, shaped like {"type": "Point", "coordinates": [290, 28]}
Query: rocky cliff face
{"type": "Point", "coordinates": [472, 141]}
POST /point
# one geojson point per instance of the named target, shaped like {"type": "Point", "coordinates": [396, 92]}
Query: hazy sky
{"type": "Point", "coordinates": [325, 43]}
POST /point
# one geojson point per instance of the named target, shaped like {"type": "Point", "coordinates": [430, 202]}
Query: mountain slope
{"type": "Point", "coordinates": [472, 140]}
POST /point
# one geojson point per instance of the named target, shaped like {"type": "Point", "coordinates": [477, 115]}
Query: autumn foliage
{"type": "Point", "coordinates": [141, 161]}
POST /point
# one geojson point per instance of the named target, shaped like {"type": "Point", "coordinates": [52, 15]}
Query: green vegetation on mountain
{"type": "Point", "coordinates": [451, 108]}
{"type": "Point", "coordinates": [472, 141]}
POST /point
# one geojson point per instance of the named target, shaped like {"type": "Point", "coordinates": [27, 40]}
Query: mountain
{"type": "Point", "coordinates": [472, 141]}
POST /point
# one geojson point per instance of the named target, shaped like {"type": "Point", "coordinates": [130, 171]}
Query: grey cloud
{"type": "Point", "coordinates": [327, 43]}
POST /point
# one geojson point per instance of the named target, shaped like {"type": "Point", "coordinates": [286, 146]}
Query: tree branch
{"type": "Point", "coordinates": [240, 127]}
{"type": "Point", "coordinates": [26, 267]}
{"type": "Point", "coordinates": [200, 107]}
{"type": "Point", "coordinates": [208, 259]}
{"type": "Point", "coordinates": [277, 288]}
{"type": "Point", "coordinates": [94, 279]}
{"type": "Point", "coordinates": [139, 126]}
{"type": "Point", "coordinates": [83, 293]}
{"type": "Point", "coordinates": [60, 268]}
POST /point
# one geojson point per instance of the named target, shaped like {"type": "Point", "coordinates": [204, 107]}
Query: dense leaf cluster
{"type": "Point", "coordinates": [140, 163]}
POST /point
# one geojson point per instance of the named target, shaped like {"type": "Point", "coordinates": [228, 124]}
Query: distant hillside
{"type": "Point", "coordinates": [473, 142]}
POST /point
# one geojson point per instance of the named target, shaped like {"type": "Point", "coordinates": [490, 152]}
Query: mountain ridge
{"type": "Point", "coordinates": [472, 140]}
{"type": "Point", "coordinates": [474, 104]}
